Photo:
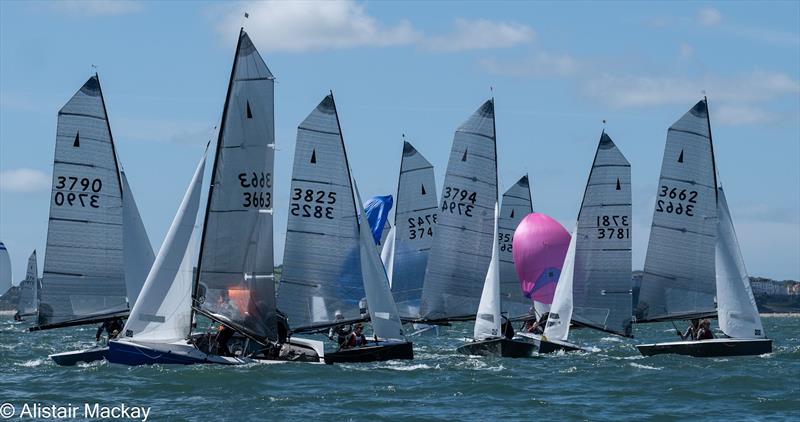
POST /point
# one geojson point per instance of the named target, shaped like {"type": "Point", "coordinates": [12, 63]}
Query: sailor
{"type": "Point", "coordinates": [506, 328]}
{"type": "Point", "coordinates": [538, 326]}
{"type": "Point", "coordinates": [705, 333]}
{"type": "Point", "coordinates": [112, 326]}
{"type": "Point", "coordinates": [691, 331]}
{"type": "Point", "coordinates": [356, 338]}
{"type": "Point", "coordinates": [17, 317]}
{"type": "Point", "coordinates": [224, 335]}
{"type": "Point", "coordinates": [283, 327]}
{"type": "Point", "coordinates": [341, 331]}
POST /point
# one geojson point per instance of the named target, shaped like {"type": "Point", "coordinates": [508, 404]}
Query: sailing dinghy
{"type": "Point", "coordinates": [594, 288]}
{"type": "Point", "coordinates": [97, 251]}
{"type": "Point", "coordinates": [488, 338]}
{"type": "Point", "coordinates": [29, 290]}
{"type": "Point", "coordinates": [330, 263]}
{"type": "Point", "coordinates": [693, 257]}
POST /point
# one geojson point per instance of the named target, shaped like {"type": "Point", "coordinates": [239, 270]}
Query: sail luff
{"type": "Point", "coordinates": [487, 320]}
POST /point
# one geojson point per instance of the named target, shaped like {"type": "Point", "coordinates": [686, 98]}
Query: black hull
{"type": "Point", "coordinates": [709, 348]}
{"type": "Point", "coordinates": [376, 353]}
{"type": "Point", "coordinates": [502, 347]}
{"type": "Point", "coordinates": [552, 346]}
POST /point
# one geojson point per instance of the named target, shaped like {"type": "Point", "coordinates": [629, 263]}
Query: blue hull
{"type": "Point", "coordinates": [134, 355]}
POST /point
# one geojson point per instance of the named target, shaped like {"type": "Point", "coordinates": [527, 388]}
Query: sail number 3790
{"type": "Point", "coordinates": [83, 196]}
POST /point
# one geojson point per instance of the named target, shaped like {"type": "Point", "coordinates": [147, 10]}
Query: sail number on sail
{"type": "Point", "coordinates": [72, 198]}
{"type": "Point", "coordinates": [421, 226]}
{"type": "Point", "coordinates": [305, 203]}
{"type": "Point", "coordinates": [613, 227]}
{"type": "Point", "coordinates": [458, 201]}
{"type": "Point", "coordinates": [505, 240]}
{"type": "Point", "coordinates": [679, 207]}
{"type": "Point", "coordinates": [256, 198]}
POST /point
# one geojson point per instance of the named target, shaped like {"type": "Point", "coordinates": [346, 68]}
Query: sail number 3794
{"type": "Point", "coordinates": [459, 201]}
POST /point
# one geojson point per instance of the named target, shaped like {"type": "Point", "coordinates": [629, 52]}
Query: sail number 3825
{"type": "Point", "coordinates": [312, 203]}
{"type": "Point", "coordinates": [680, 202]}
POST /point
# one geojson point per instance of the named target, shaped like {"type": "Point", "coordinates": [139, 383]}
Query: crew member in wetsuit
{"type": "Point", "coordinates": [283, 327]}
{"type": "Point", "coordinates": [223, 337]}
{"type": "Point", "coordinates": [506, 328]}
{"type": "Point", "coordinates": [691, 331]}
{"type": "Point", "coordinates": [341, 331]}
{"type": "Point", "coordinates": [705, 333]}
{"type": "Point", "coordinates": [356, 338]}
{"type": "Point", "coordinates": [538, 326]}
{"type": "Point", "coordinates": [112, 326]}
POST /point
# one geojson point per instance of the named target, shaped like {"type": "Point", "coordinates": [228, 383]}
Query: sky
{"type": "Point", "coordinates": [555, 69]}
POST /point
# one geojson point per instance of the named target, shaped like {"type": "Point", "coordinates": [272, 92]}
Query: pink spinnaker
{"type": "Point", "coordinates": [540, 245]}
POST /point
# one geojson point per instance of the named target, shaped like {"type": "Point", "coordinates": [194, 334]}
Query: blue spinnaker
{"type": "Point", "coordinates": [377, 209]}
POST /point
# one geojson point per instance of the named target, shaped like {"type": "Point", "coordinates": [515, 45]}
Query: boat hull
{"type": "Point", "coordinates": [553, 346]}
{"type": "Point", "coordinates": [76, 356]}
{"type": "Point", "coordinates": [709, 348]}
{"type": "Point", "coordinates": [383, 351]}
{"type": "Point", "coordinates": [502, 347]}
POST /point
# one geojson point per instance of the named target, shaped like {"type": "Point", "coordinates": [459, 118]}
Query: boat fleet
{"type": "Point", "coordinates": [212, 294]}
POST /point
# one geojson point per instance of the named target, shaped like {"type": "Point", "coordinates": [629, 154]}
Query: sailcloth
{"type": "Point", "coordinates": [602, 285]}
{"type": "Point", "coordinates": [416, 215]}
{"type": "Point", "coordinates": [321, 260]}
{"type": "Point", "coordinates": [29, 289]}
{"type": "Point", "coordinates": [84, 273]}
{"type": "Point", "coordinates": [387, 254]}
{"type": "Point", "coordinates": [679, 274]}
{"type": "Point", "coordinates": [5, 269]}
{"type": "Point", "coordinates": [383, 313]}
{"type": "Point", "coordinates": [459, 256]}
{"type": "Point", "coordinates": [561, 309]}
{"type": "Point", "coordinates": [163, 312]}
{"type": "Point", "coordinates": [738, 313]}
{"type": "Point", "coordinates": [487, 321]}
{"type": "Point", "coordinates": [516, 205]}
{"type": "Point", "coordinates": [235, 281]}
{"type": "Point", "coordinates": [138, 254]}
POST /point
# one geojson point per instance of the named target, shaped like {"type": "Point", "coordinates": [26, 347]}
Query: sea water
{"type": "Point", "coordinates": [614, 382]}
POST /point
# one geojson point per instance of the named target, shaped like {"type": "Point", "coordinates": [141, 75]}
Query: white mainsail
{"type": "Point", "coordinates": [516, 205]}
{"type": "Point", "coordinates": [163, 312]}
{"type": "Point", "coordinates": [29, 289]}
{"type": "Point", "coordinates": [487, 321]}
{"type": "Point", "coordinates": [679, 273]}
{"type": "Point", "coordinates": [387, 254]}
{"type": "Point", "coordinates": [737, 310]}
{"type": "Point", "coordinates": [235, 281]}
{"type": "Point", "coordinates": [382, 310]}
{"type": "Point", "coordinates": [459, 256]}
{"type": "Point", "coordinates": [416, 214]}
{"type": "Point", "coordinates": [321, 260]}
{"type": "Point", "coordinates": [561, 309]}
{"type": "Point", "coordinates": [84, 276]}
{"type": "Point", "coordinates": [5, 269]}
{"type": "Point", "coordinates": [602, 285]}
{"type": "Point", "coordinates": [138, 255]}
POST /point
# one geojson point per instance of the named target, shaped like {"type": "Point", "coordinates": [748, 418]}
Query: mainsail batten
{"type": "Point", "coordinates": [235, 281]}
{"type": "Point", "coordinates": [679, 273]}
{"type": "Point", "coordinates": [458, 258]}
{"type": "Point", "coordinates": [415, 225]}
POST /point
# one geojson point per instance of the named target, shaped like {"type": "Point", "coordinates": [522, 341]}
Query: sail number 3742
{"type": "Point", "coordinates": [680, 202]}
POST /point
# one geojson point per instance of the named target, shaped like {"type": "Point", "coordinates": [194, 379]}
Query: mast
{"type": "Point", "coordinates": [110, 135]}
{"type": "Point", "coordinates": [711, 142]}
{"type": "Point", "coordinates": [346, 162]}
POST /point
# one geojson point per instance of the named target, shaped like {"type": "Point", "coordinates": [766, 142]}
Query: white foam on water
{"type": "Point", "coordinates": [612, 339]}
{"type": "Point", "coordinates": [569, 370]}
{"type": "Point", "coordinates": [640, 366]}
{"type": "Point", "coordinates": [32, 363]}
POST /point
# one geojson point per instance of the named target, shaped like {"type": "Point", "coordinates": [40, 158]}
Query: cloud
{"type": "Point", "coordinates": [300, 26]}
{"type": "Point", "coordinates": [310, 25]}
{"type": "Point", "coordinates": [738, 115]}
{"type": "Point", "coordinates": [709, 16]}
{"type": "Point", "coordinates": [97, 7]}
{"type": "Point", "coordinates": [24, 180]}
{"type": "Point", "coordinates": [481, 34]}
{"type": "Point", "coordinates": [542, 64]}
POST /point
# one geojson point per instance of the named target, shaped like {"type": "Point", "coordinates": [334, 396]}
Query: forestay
{"type": "Point", "coordinates": [163, 312]}
{"type": "Point", "coordinates": [738, 313]}
{"type": "Point", "coordinates": [487, 321]}
{"type": "Point", "coordinates": [84, 275]}
{"type": "Point", "coordinates": [516, 205]}
{"type": "Point", "coordinates": [679, 275]}
{"type": "Point", "coordinates": [321, 262]}
{"type": "Point", "coordinates": [414, 225]}
{"type": "Point", "coordinates": [235, 281]}
{"type": "Point", "coordinates": [561, 309]}
{"type": "Point", "coordinates": [383, 313]}
{"type": "Point", "coordinates": [602, 285]}
{"type": "Point", "coordinates": [29, 289]}
{"type": "Point", "coordinates": [138, 252]}
{"type": "Point", "coordinates": [460, 253]}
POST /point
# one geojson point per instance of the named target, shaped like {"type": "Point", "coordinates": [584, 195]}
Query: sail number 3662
{"type": "Point", "coordinates": [84, 195]}
{"type": "Point", "coordinates": [315, 203]}
{"type": "Point", "coordinates": [256, 198]}
{"type": "Point", "coordinates": [459, 201]}
{"type": "Point", "coordinates": [680, 202]}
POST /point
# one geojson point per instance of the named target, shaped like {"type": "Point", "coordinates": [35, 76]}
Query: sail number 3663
{"type": "Point", "coordinates": [316, 203]}
{"type": "Point", "coordinates": [680, 202]}
{"type": "Point", "coordinates": [257, 198]}
{"type": "Point", "coordinates": [459, 201]}
{"type": "Point", "coordinates": [85, 189]}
